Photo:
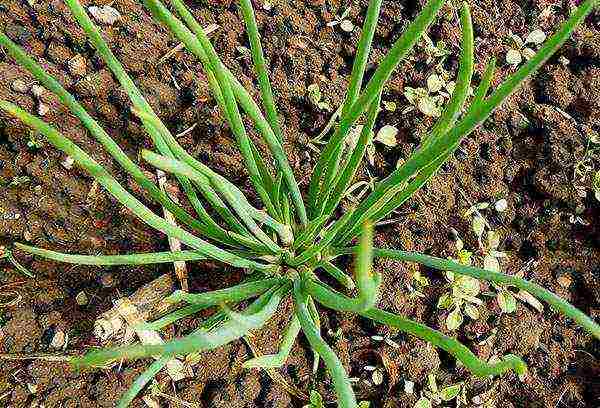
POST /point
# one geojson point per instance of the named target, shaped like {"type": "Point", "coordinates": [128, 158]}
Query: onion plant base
{"type": "Point", "coordinates": [290, 242]}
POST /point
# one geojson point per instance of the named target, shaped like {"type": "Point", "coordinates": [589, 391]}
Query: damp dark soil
{"type": "Point", "coordinates": [525, 153]}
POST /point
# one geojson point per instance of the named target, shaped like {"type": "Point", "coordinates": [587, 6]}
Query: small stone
{"type": "Point", "coordinates": [528, 53]}
{"type": "Point", "coordinates": [77, 66]}
{"type": "Point", "coordinates": [536, 37]}
{"type": "Point", "coordinates": [347, 26]}
{"type": "Point", "coordinates": [428, 106]}
{"type": "Point", "coordinates": [105, 15]}
{"type": "Point", "coordinates": [82, 298]}
{"type": "Point", "coordinates": [565, 280]}
{"type": "Point", "coordinates": [59, 340]}
{"type": "Point", "coordinates": [43, 109]}
{"type": "Point", "coordinates": [370, 368]}
{"type": "Point", "coordinates": [377, 377]}
{"type": "Point", "coordinates": [107, 280]}
{"type": "Point", "coordinates": [267, 6]}
{"type": "Point", "coordinates": [409, 387]}
{"type": "Point", "coordinates": [501, 205]}
{"type": "Point", "coordinates": [38, 91]}
{"type": "Point", "coordinates": [387, 135]}
{"type": "Point", "coordinates": [67, 163]}
{"type": "Point", "coordinates": [514, 57]}
{"type": "Point", "coordinates": [20, 86]}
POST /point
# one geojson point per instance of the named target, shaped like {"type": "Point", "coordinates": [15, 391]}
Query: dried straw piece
{"type": "Point", "coordinates": [121, 323]}
{"type": "Point", "coordinates": [174, 243]}
{"type": "Point", "coordinates": [177, 369]}
{"type": "Point", "coordinates": [149, 301]}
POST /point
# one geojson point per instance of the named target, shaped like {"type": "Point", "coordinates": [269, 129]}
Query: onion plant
{"type": "Point", "coordinates": [288, 242]}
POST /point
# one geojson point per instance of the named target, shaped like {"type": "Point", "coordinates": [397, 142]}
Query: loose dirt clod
{"type": "Point", "coordinates": [77, 66]}
{"type": "Point", "coordinates": [20, 86]}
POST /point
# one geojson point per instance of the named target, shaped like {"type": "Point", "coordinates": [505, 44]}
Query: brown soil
{"type": "Point", "coordinates": [524, 153]}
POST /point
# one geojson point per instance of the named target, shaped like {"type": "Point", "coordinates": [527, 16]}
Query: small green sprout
{"type": "Point", "coordinates": [315, 96]}
{"type": "Point", "coordinates": [419, 283]}
{"type": "Point", "coordinates": [434, 395]}
{"type": "Point", "coordinates": [7, 254]}
{"type": "Point", "coordinates": [586, 170]}
{"type": "Point", "coordinates": [316, 400]}
{"type": "Point", "coordinates": [18, 181]}
{"type": "Point", "coordinates": [433, 50]}
{"type": "Point", "coordinates": [389, 106]}
{"type": "Point", "coordinates": [430, 100]}
{"type": "Point", "coordinates": [427, 102]}
{"type": "Point", "coordinates": [34, 142]}
{"type": "Point", "coordinates": [596, 185]}
{"type": "Point", "coordinates": [342, 20]}
{"type": "Point", "coordinates": [462, 297]}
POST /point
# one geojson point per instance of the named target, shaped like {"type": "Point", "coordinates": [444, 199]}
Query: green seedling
{"type": "Point", "coordinates": [462, 297]}
{"type": "Point", "coordinates": [586, 170]}
{"type": "Point", "coordinates": [291, 240]}
{"type": "Point", "coordinates": [7, 254]}
{"type": "Point", "coordinates": [315, 96]}
{"type": "Point", "coordinates": [34, 142]}
{"type": "Point", "coordinates": [434, 395]}
{"type": "Point", "coordinates": [489, 241]}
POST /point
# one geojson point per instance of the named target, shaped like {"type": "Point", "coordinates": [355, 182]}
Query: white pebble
{"type": "Point", "coordinates": [536, 37]}
{"type": "Point", "coordinates": [514, 57]}
{"type": "Point", "coordinates": [43, 109]}
{"type": "Point", "coordinates": [38, 91]}
{"type": "Point", "coordinates": [68, 163]}
{"type": "Point", "coordinates": [347, 26]}
{"type": "Point", "coordinates": [59, 340]}
{"type": "Point", "coordinates": [105, 15]}
{"type": "Point", "coordinates": [20, 86]}
{"type": "Point", "coordinates": [501, 205]}
{"type": "Point", "coordinates": [377, 377]}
